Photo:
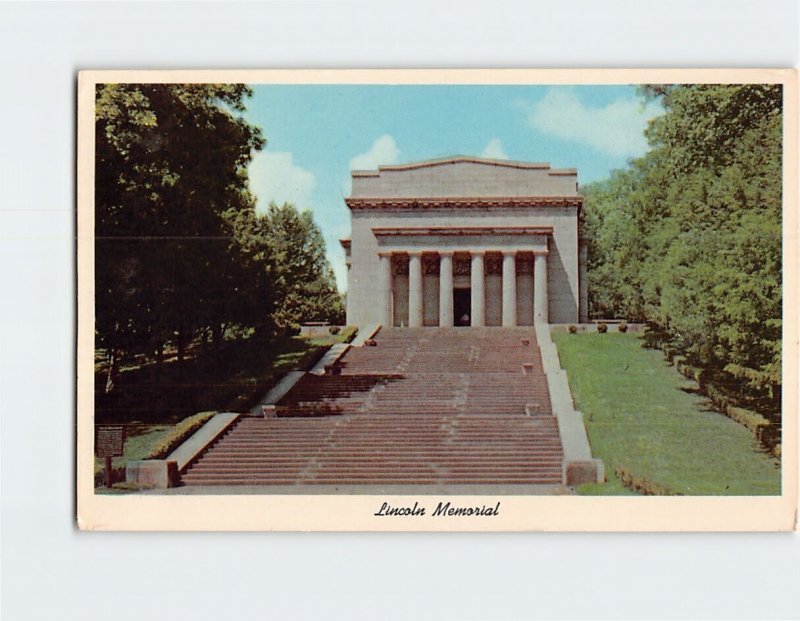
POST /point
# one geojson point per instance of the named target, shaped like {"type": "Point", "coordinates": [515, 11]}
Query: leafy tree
{"type": "Point", "coordinates": [170, 160]}
{"type": "Point", "coordinates": [688, 237]}
{"type": "Point", "coordinates": [304, 281]}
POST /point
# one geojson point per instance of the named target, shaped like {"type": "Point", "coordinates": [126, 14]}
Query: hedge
{"type": "Point", "coordinates": [179, 433]}
{"type": "Point", "coordinates": [752, 420]}
{"type": "Point", "coordinates": [349, 333]}
{"type": "Point", "coordinates": [641, 485]}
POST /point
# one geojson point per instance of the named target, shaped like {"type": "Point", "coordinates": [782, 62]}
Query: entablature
{"type": "Point", "coordinates": [473, 202]}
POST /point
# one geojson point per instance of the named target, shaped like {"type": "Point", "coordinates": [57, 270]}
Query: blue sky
{"type": "Point", "coordinates": [317, 133]}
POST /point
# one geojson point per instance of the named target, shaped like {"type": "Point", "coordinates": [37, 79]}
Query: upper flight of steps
{"type": "Point", "coordinates": [426, 405]}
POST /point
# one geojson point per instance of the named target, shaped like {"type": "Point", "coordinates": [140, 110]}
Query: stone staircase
{"type": "Point", "coordinates": [426, 405]}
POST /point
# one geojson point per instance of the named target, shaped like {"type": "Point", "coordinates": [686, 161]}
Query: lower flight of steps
{"type": "Point", "coordinates": [384, 450]}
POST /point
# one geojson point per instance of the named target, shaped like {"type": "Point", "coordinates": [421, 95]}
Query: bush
{"type": "Point", "coordinates": [573, 329]}
{"type": "Point", "coordinates": [623, 327]}
{"type": "Point", "coordinates": [752, 420]}
{"type": "Point", "coordinates": [179, 433]}
{"type": "Point", "coordinates": [653, 337]}
{"type": "Point", "coordinates": [687, 370]}
{"type": "Point", "coordinates": [719, 398]}
{"type": "Point", "coordinates": [349, 334]}
{"type": "Point", "coordinates": [293, 329]}
{"type": "Point", "coordinates": [642, 485]}
{"type": "Point", "coordinates": [602, 327]}
{"type": "Point", "coordinates": [334, 330]}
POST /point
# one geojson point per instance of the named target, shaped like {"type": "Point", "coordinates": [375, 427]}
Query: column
{"type": "Point", "coordinates": [540, 310]}
{"type": "Point", "coordinates": [445, 289]}
{"type": "Point", "coordinates": [478, 314]}
{"type": "Point", "coordinates": [414, 289]}
{"type": "Point", "coordinates": [583, 283]}
{"type": "Point", "coordinates": [385, 289]}
{"type": "Point", "coordinates": [509, 288]}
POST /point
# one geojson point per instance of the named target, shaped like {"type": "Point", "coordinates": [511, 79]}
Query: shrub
{"type": "Point", "coordinates": [349, 333]}
{"type": "Point", "coordinates": [179, 433]}
{"type": "Point", "coordinates": [642, 485]}
{"type": "Point", "coordinates": [653, 338]}
{"type": "Point", "coordinates": [293, 329]}
{"type": "Point", "coordinates": [573, 329]}
{"type": "Point", "coordinates": [719, 398]}
{"type": "Point", "coordinates": [334, 329]}
{"type": "Point", "coordinates": [602, 327]}
{"type": "Point", "coordinates": [623, 327]}
{"type": "Point", "coordinates": [752, 420]}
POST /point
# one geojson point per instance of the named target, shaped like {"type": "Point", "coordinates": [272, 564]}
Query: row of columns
{"type": "Point", "coordinates": [478, 291]}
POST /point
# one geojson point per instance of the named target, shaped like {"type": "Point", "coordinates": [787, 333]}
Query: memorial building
{"type": "Point", "coordinates": [465, 241]}
{"type": "Point", "coordinates": [459, 241]}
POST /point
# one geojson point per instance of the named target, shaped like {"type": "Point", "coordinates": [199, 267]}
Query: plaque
{"type": "Point", "coordinates": [109, 441]}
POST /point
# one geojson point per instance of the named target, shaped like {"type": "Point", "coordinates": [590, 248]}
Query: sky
{"type": "Point", "coordinates": [317, 134]}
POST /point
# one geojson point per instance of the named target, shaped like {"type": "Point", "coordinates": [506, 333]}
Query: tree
{"type": "Point", "coordinates": [688, 237]}
{"type": "Point", "coordinates": [170, 161]}
{"type": "Point", "coordinates": [304, 281]}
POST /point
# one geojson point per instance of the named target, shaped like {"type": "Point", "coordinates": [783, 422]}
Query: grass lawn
{"type": "Point", "coordinates": [640, 413]}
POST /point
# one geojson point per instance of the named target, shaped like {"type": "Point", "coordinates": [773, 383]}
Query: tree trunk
{"type": "Point", "coordinates": [113, 363]}
{"type": "Point", "coordinates": [217, 330]}
{"type": "Point", "coordinates": [159, 359]}
{"type": "Point", "coordinates": [181, 344]}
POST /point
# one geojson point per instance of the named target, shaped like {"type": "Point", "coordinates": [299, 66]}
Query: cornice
{"type": "Point", "coordinates": [461, 231]}
{"type": "Point", "coordinates": [467, 202]}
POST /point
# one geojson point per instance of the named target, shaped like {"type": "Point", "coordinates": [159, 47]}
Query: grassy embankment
{"type": "Point", "coordinates": [152, 402]}
{"type": "Point", "coordinates": [644, 417]}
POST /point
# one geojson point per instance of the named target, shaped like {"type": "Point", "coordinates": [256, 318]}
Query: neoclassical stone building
{"type": "Point", "coordinates": [465, 241]}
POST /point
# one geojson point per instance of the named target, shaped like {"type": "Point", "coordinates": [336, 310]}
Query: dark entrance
{"type": "Point", "coordinates": [462, 307]}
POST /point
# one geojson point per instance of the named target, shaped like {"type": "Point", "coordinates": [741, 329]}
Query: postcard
{"type": "Point", "coordinates": [437, 300]}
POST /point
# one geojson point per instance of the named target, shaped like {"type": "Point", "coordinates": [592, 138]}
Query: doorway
{"type": "Point", "coordinates": [462, 306]}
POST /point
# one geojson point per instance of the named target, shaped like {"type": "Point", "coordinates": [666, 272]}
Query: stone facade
{"type": "Point", "coordinates": [465, 241]}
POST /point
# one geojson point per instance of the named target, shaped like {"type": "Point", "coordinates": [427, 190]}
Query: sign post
{"type": "Point", "coordinates": [109, 443]}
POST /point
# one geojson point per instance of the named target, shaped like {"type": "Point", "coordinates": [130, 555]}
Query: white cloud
{"type": "Point", "coordinates": [274, 177]}
{"type": "Point", "coordinates": [616, 129]}
{"type": "Point", "coordinates": [382, 152]}
{"type": "Point", "coordinates": [494, 150]}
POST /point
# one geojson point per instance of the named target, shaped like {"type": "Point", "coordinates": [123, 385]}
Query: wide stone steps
{"type": "Point", "coordinates": [423, 406]}
{"type": "Point", "coordinates": [381, 450]}
{"type": "Point", "coordinates": [440, 393]}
